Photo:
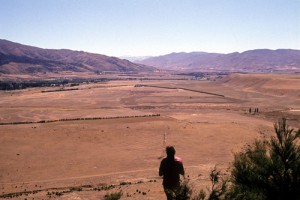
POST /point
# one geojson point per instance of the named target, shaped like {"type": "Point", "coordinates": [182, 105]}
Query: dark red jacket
{"type": "Point", "coordinates": [170, 169]}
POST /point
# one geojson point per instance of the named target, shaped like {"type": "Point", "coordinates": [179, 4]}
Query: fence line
{"type": "Point", "coordinates": [175, 88]}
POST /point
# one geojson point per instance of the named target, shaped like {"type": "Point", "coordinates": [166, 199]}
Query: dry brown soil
{"type": "Point", "coordinates": [40, 159]}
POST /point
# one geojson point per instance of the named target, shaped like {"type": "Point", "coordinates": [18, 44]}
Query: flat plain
{"type": "Point", "coordinates": [109, 137]}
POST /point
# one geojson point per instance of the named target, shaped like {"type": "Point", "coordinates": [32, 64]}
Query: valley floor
{"type": "Point", "coordinates": [86, 159]}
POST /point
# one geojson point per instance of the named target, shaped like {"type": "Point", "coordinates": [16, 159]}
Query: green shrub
{"type": "Point", "coordinates": [268, 169]}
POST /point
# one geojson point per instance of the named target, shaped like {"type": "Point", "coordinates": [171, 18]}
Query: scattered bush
{"type": "Point", "coordinates": [216, 192]}
{"type": "Point", "coordinates": [184, 192]}
{"type": "Point", "coordinates": [218, 185]}
{"type": "Point", "coordinates": [113, 196]}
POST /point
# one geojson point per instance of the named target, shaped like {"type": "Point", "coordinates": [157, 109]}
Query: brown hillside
{"type": "Point", "coordinates": [22, 59]}
{"type": "Point", "coordinates": [280, 85]}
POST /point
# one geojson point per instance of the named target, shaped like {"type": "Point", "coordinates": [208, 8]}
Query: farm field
{"type": "Point", "coordinates": [108, 137]}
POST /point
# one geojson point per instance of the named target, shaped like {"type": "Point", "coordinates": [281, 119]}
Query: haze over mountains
{"type": "Point", "coordinates": [22, 59]}
{"type": "Point", "coordinates": [260, 60]}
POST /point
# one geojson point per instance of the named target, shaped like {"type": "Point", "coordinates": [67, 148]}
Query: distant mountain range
{"type": "Point", "coordinates": [260, 60]}
{"type": "Point", "coordinates": [22, 59]}
{"type": "Point", "coordinates": [16, 58]}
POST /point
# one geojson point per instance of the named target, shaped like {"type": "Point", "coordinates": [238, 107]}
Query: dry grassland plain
{"type": "Point", "coordinates": [86, 159]}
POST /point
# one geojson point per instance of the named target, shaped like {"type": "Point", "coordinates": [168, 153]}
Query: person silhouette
{"type": "Point", "coordinates": [170, 169]}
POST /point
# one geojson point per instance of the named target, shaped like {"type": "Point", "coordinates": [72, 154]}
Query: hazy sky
{"type": "Point", "coordinates": [152, 27]}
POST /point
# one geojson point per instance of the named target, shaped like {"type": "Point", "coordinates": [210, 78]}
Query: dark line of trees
{"type": "Point", "coordinates": [60, 90]}
{"type": "Point", "coordinates": [9, 85]}
{"type": "Point", "coordinates": [77, 119]}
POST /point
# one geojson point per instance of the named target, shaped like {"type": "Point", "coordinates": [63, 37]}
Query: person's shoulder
{"type": "Point", "coordinates": [178, 159]}
{"type": "Point", "coordinates": [164, 160]}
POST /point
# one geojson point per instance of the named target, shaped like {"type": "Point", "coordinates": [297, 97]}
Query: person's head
{"type": "Point", "coordinates": [170, 151]}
